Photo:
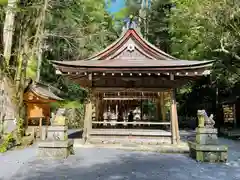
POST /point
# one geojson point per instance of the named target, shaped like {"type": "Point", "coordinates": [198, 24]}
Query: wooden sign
{"type": "Point", "coordinates": [229, 113]}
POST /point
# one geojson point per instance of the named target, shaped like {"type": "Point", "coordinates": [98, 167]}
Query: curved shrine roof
{"type": "Point", "coordinates": [131, 50]}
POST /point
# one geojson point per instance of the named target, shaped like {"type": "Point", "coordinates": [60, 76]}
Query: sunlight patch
{"type": "Point", "coordinates": [116, 177]}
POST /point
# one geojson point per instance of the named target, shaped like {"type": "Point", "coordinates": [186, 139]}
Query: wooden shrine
{"type": "Point", "coordinates": [132, 90]}
{"type": "Point", "coordinates": [37, 98]}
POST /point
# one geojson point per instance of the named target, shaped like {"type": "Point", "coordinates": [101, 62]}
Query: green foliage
{"type": "Point", "coordinates": [149, 107]}
{"type": "Point", "coordinates": [75, 112]}
{"type": "Point", "coordinates": [77, 29]}
{"type": "Point", "coordinates": [32, 68]}
{"type": "Point", "coordinates": [74, 90]}
{"type": "Point", "coordinates": [121, 14]}
{"type": "Point", "coordinates": [74, 30]}
{"type": "Point", "coordinates": [20, 127]}
{"type": "Point", "coordinates": [8, 142]}
{"type": "Point", "coordinates": [133, 7]}
{"type": "Point", "coordinates": [3, 2]}
{"type": "Point", "coordinates": [194, 96]}
{"type": "Point", "coordinates": [66, 104]}
{"type": "Point", "coordinates": [75, 117]}
{"type": "Point", "coordinates": [196, 30]}
{"type": "Point", "coordinates": [208, 30]}
{"type": "Point", "coordinates": [158, 24]}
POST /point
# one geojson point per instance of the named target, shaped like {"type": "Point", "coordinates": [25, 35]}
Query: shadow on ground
{"type": "Point", "coordinates": [106, 164]}
{"type": "Point", "coordinates": [75, 133]}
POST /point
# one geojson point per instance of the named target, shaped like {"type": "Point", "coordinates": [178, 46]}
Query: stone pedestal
{"type": "Point", "coordinates": [57, 145]}
{"type": "Point", "coordinates": [206, 136]}
{"type": "Point", "coordinates": [57, 133]}
{"type": "Point", "coordinates": [206, 148]}
{"type": "Point", "coordinates": [208, 153]}
{"type": "Point", "coordinates": [55, 149]}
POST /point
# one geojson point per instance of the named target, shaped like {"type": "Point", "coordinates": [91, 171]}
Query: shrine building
{"type": "Point", "coordinates": [131, 88]}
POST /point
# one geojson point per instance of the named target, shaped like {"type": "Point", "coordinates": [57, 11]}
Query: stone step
{"type": "Point", "coordinates": [106, 139]}
{"type": "Point", "coordinates": [181, 148]}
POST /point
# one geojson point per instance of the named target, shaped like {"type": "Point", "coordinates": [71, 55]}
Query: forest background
{"type": "Point", "coordinates": [35, 32]}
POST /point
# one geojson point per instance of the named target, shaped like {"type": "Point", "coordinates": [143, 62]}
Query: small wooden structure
{"type": "Point", "coordinates": [37, 98]}
{"type": "Point", "coordinates": [132, 90]}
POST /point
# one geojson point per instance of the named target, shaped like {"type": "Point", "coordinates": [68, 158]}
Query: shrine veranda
{"type": "Point", "coordinates": [131, 87]}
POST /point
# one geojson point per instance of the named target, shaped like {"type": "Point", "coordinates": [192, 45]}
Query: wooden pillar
{"type": "Point", "coordinates": [26, 108]}
{"type": "Point", "coordinates": [94, 108]}
{"type": "Point", "coordinates": [40, 127]}
{"type": "Point", "coordinates": [174, 116]}
{"type": "Point", "coordinates": [163, 109]}
{"type": "Point", "coordinates": [101, 109]}
{"type": "Point", "coordinates": [88, 112]}
{"type": "Point", "coordinates": [234, 115]}
{"type": "Point", "coordinates": [158, 108]}
{"type": "Point", "coordinates": [87, 120]}
{"type": "Point", "coordinates": [97, 105]}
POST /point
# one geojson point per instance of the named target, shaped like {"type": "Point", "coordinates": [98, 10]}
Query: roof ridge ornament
{"type": "Point", "coordinates": [130, 23]}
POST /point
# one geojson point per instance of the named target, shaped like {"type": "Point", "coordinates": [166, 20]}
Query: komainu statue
{"type": "Point", "coordinates": [204, 120]}
{"type": "Point", "coordinates": [205, 147]}
{"type": "Point", "coordinates": [60, 117]}
{"type": "Point", "coordinates": [209, 122]}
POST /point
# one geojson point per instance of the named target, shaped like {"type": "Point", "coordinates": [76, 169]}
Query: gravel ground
{"type": "Point", "coordinates": [111, 164]}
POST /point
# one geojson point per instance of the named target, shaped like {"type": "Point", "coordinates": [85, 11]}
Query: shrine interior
{"type": "Point", "coordinates": [132, 110]}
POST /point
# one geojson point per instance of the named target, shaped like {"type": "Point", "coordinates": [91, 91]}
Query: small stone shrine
{"type": "Point", "coordinates": [206, 147]}
{"type": "Point", "coordinates": [56, 145]}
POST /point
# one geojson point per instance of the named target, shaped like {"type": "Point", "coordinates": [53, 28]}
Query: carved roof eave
{"type": "Point", "coordinates": [68, 68]}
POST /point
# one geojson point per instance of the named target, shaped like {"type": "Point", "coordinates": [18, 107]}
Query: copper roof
{"type": "Point", "coordinates": [131, 50]}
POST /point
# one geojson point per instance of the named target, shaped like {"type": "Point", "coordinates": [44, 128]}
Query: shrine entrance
{"type": "Point", "coordinates": [132, 109]}
{"type": "Point", "coordinates": [131, 87]}
{"type": "Point", "coordinates": [130, 115]}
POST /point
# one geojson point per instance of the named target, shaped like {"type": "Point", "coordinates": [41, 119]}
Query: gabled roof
{"type": "Point", "coordinates": [132, 36]}
{"type": "Point", "coordinates": [42, 90]}
{"type": "Point", "coordinates": [131, 50]}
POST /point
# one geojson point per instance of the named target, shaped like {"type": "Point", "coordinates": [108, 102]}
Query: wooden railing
{"type": "Point", "coordinates": [128, 123]}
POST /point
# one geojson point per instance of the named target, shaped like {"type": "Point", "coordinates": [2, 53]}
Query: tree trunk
{"type": "Point", "coordinates": [9, 29]}
{"type": "Point", "coordinates": [40, 37]}
{"type": "Point", "coordinates": [143, 16]}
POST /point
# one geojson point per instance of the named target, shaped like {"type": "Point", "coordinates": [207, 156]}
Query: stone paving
{"type": "Point", "coordinates": [111, 164]}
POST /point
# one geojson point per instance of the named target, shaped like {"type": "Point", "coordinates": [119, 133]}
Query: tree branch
{"type": "Point", "coordinates": [222, 49]}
